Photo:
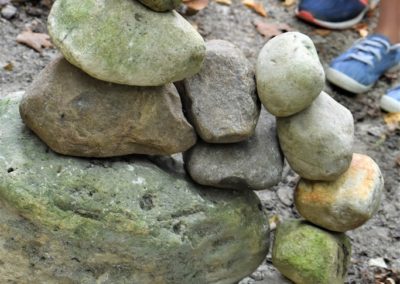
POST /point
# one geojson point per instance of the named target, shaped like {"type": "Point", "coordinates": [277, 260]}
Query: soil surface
{"type": "Point", "coordinates": [380, 237]}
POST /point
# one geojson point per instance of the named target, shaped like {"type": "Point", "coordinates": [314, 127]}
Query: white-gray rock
{"type": "Point", "coordinates": [253, 164]}
{"type": "Point", "coordinates": [8, 11]}
{"type": "Point", "coordinates": [318, 141]}
{"type": "Point", "coordinates": [221, 99]}
{"type": "Point", "coordinates": [289, 74]}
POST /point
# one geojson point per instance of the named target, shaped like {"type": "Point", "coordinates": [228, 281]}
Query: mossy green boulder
{"type": "Point", "coordinates": [307, 254]}
{"type": "Point", "coordinates": [122, 41]}
{"type": "Point", "coordinates": [71, 220]}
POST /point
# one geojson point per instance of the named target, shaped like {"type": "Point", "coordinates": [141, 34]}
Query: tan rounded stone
{"type": "Point", "coordinates": [346, 203]}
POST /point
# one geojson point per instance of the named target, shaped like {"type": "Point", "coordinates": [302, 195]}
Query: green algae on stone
{"type": "Point", "coordinates": [161, 5]}
{"type": "Point", "coordinates": [122, 41]}
{"type": "Point", "coordinates": [125, 220]}
{"type": "Point", "coordinates": [307, 254]}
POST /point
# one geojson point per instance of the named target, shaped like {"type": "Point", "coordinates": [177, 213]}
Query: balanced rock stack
{"type": "Point", "coordinates": [338, 190]}
{"type": "Point", "coordinates": [129, 220]}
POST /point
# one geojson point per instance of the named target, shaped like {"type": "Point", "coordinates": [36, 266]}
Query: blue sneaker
{"type": "Point", "coordinates": [391, 101]}
{"type": "Point", "coordinates": [333, 14]}
{"type": "Point", "coordinates": [358, 69]}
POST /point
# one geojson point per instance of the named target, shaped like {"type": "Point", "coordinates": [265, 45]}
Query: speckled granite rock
{"type": "Point", "coordinates": [87, 117]}
{"type": "Point", "coordinates": [122, 41]}
{"type": "Point", "coordinates": [346, 203]}
{"type": "Point", "coordinates": [289, 74]}
{"type": "Point", "coordinates": [254, 164]}
{"type": "Point", "coordinates": [116, 221]}
{"type": "Point", "coordinates": [221, 99]}
{"type": "Point", "coordinates": [318, 142]}
{"type": "Point", "coordinates": [307, 254]}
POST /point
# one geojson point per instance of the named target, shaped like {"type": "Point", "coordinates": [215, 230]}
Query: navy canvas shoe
{"type": "Point", "coordinates": [333, 14]}
{"type": "Point", "coordinates": [358, 69]}
{"type": "Point", "coordinates": [391, 101]}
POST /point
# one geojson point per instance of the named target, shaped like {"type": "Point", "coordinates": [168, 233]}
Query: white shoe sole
{"type": "Point", "coordinates": [345, 82]}
{"type": "Point", "coordinates": [389, 104]}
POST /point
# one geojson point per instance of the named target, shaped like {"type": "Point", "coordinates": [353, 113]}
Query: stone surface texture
{"type": "Point", "coordinates": [254, 164]}
{"type": "Point", "coordinates": [78, 115]}
{"type": "Point", "coordinates": [221, 99]}
{"type": "Point", "coordinates": [318, 141]}
{"type": "Point", "coordinates": [289, 74]}
{"type": "Point", "coordinates": [307, 254]}
{"type": "Point", "coordinates": [346, 203]}
{"type": "Point", "coordinates": [72, 220]}
{"type": "Point", "coordinates": [122, 41]}
{"type": "Point", "coordinates": [161, 5]}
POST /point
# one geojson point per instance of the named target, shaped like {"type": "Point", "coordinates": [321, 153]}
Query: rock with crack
{"type": "Point", "coordinates": [254, 164]}
{"type": "Point", "coordinates": [78, 115]}
{"type": "Point", "coordinates": [307, 254]}
{"type": "Point", "coordinates": [122, 41]}
{"type": "Point", "coordinates": [125, 221]}
{"type": "Point", "coordinates": [346, 203]}
{"type": "Point", "coordinates": [318, 141]}
{"type": "Point", "coordinates": [221, 99]}
{"type": "Point", "coordinates": [289, 74]}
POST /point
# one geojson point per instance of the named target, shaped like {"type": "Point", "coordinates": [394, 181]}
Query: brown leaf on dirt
{"type": "Point", "coordinates": [322, 32]}
{"type": "Point", "coordinates": [362, 29]}
{"type": "Point", "coordinates": [47, 3]}
{"type": "Point", "coordinates": [224, 2]}
{"type": "Point", "coordinates": [271, 29]}
{"type": "Point", "coordinates": [289, 3]}
{"type": "Point", "coordinates": [255, 6]}
{"type": "Point", "coordinates": [195, 5]}
{"type": "Point", "coordinates": [37, 41]}
{"type": "Point", "coordinates": [392, 121]}
{"type": "Point", "coordinates": [9, 67]}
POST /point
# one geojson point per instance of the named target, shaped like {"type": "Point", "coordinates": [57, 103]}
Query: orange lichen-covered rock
{"type": "Point", "coordinates": [343, 204]}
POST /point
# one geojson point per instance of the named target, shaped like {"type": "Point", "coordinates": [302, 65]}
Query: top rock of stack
{"type": "Point", "coordinates": [161, 5]}
{"type": "Point", "coordinates": [121, 41]}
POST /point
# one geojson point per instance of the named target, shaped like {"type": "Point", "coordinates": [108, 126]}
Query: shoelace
{"type": "Point", "coordinates": [372, 47]}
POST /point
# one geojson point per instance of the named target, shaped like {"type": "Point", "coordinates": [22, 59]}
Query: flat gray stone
{"type": "Point", "coordinates": [221, 99]}
{"type": "Point", "coordinates": [122, 41]}
{"type": "Point", "coordinates": [254, 164]}
{"type": "Point", "coordinates": [74, 220]}
{"type": "Point", "coordinates": [78, 115]}
{"type": "Point", "coordinates": [318, 141]}
{"type": "Point", "coordinates": [289, 74]}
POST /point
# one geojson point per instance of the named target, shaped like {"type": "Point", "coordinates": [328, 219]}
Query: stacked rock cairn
{"type": "Point", "coordinates": [112, 95]}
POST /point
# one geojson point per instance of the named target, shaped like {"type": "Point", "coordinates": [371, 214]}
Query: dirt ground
{"type": "Point", "coordinates": [380, 237]}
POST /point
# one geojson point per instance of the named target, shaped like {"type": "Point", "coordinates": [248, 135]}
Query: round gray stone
{"type": "Point", "coordinates": [318, 141]}
{"type": "Point", "coordinates": [254, 164]}
{"type": "Point", "coordinates": [221, 99]}
{"type": "Point", "coordinates": [122, 41]}
{"type": "Point", "coordinates": [289, 74]}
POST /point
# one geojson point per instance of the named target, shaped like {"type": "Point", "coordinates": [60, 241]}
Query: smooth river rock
{"type": "Point", "coordinates": [307, 254]}
{"type": "Point", "coordinates": [254, 164]}
{"type": "Point", "coordinates": [122, 41]}
{"type": "Point", "coordinates": [221, 99]}
{"type": "Point", "coordinates": [161, 5]}
{"type": "Point", "coordinates": [346, 203]}
{"type": "Point", "coordinates": [318, 141]}
{"type": "Point", "coordinates": [72, 220]}
{"type": "Point", "coordinates": [289, 74]}
{"type": "Point", "coordinates": [78, 115]}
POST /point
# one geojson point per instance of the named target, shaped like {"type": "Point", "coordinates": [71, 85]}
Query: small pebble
{"type": "Point", "coordinates": [8, 11]}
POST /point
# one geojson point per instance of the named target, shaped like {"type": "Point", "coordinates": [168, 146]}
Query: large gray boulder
{"type": "Point", "coordinates": [221, 99]}
{"type": "Point", "coordinates": [122, 41]}
{"type": "Point", "coordinates": [78, 115]}
{"type": "Point", "coordinates": [71, 220]}
{"type": "Point", "coordinates": [289, 74]}
{"type": "Point", "coordinates": [254, 164]}
{"type": "Point", "coordinates": [318, 141]}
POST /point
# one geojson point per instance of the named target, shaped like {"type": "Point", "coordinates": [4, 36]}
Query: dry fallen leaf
{"type": "Point", "coordinates": [271, 29]}
{"type": "Point", "coordinates": [195, 5]}
{"type": "Point", "coordinates": [288, 3]}
{"type": "Point", "coordinates": [322, 32]}
{"type": "Point", "coordinates": [362, 29]}
{"type": "Point", "coordinates": [9, 66]}
{"type": "Point", "coordinates": [273, 222]}
{"type": "Point", "coordinates": [224, 2]}
{"type": "Point", "coordinates": [255, 6]}
{"type": "Point", "coordinates": [392, 120]}
{"type": "Point", "coordinates": [37, 41]}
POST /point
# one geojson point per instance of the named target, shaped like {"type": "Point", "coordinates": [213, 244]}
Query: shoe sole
{"type": "Point", "coordinates": [389, 104]}
{"type": "Point", "coordinates": [308, 17]}
{"type": "Point", "coordinates": [345, 82]}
